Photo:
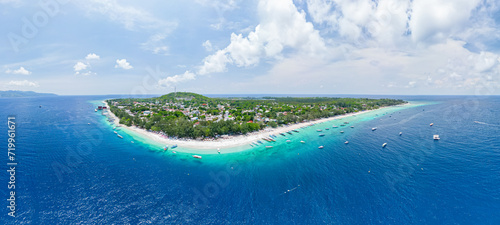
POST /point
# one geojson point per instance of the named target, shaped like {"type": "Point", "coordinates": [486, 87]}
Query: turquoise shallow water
{"type": "Point", "coordinates": [306, 133]}
{"type": "Point", "coordinates": [70, 172]}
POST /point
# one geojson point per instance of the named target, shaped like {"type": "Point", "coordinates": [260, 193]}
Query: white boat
{"type": "Point", "coordinates": [319, 130]}
{"type": "Point", "coordinates": [436, 137]}
{"type": "Point", "coordinates": [218, 150]}
{"type": "Point", "coordinates": [115, 132]}
{"type": "Point", "coordinates": [321, 147]}
{"type": "Point", "coordinates": [374, 128]}
{"type": "Point", "coordinates": [302, 142]}
{"type": "Point", "coordinates": [269, 146]}
{"type": "Point", "coordinates": [334, 126]}
{"type": "Point", "coordinates": [174, 152]}
{"type": "Point", "coordinates": [342, 131]}
{"type": "Point", "coordinates": [119, 136]}
{"type": "Point", "coordinates": [197, 156]}
{"type": "Point", "coordinates": [400, 133]}
{"type": "Point", "coordinates": [383, 145]}
{"type": "Point", "coordinates": [431, 124]}
{"type": "Point", "coordinates": [327, 128]}
{"type": "Point", "coordinates": [321, 135]}
{"type": "Point", "coordinates": [95, 110]}
{"type": "Point", "coordinates": [346, 142]}
{"type": "Point", "coordinates": [288, 141]}
{"type": "Point", "coordinates": [352, 126]}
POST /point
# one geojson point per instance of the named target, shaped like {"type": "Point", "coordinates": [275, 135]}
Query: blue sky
{"type": "Point", "coordinates": [419, 47]}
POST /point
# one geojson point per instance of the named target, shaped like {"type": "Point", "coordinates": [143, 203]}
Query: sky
{"type": "Point", "coordinates": [386, 47]}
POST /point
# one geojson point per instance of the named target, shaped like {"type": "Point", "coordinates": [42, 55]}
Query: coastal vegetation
{"type": "Point", "coordinates": [190, 115]}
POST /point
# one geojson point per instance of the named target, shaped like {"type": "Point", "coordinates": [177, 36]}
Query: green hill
{"type": "Point", "coordinates": [183, 95]}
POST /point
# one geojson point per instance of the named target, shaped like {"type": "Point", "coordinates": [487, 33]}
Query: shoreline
{"type": "Point", "coordinates": [231, 141]}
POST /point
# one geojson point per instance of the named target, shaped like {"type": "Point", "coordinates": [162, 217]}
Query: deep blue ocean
{"type": "Point", "coordinates": [73, 172]}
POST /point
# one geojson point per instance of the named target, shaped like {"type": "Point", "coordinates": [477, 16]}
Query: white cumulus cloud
{"type": "Point", "coordinates": [435, 20]}
{"type": "Point", "coordinates": [281, 27]}
{"type": "Point", "coordinates": [122, 63]}
{"type": "Point", "coordinates": [80, 66]}
{"type": "Point", "coordinates": [169, 81]}
{"type": "Point", "coordinates": [22, 83]}
{"type": "Point", "coordinates": [91, 56]}
{"type": "Point", "coordinates": [21, 71]}
{"type": "Point", "coordinates": [207, 45]}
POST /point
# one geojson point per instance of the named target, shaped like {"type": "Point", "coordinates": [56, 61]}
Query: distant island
{"type": "Point", "coordinates": [194, 116]}
{"type": "Point", "coordinates": [18, 94]}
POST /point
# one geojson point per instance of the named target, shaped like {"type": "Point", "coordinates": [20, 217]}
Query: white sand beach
{"type": "Point", "coordinates": [229, 141]}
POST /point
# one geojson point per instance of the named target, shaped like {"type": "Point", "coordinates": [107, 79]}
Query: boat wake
{"type": "Point", "coordinates": [290, 190]}
{"type": "Point", "coordinates": [478, 122]}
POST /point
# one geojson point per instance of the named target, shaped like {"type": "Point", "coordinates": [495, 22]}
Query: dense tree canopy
{"type": "Point", "coordinates": [190, 115]}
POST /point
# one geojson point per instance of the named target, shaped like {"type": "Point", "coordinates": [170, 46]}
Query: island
{"type": "Point", "coordinates": [191, 116]}
{"type": "Point", "coordinates": [20, 94]}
